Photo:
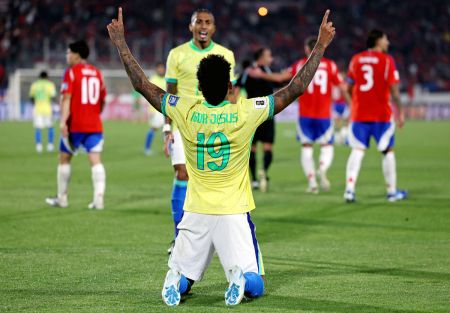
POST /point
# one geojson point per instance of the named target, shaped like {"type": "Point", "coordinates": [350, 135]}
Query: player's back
{"type": "Point", "coordinates": [316, 100]}
{"type": "Point", "coordinates": [217, 142]}
{"type": "Point", "coordinates": [42, 91]}
{"type": "Point", "coordinates": [372, 73]}
{"type": "Point", "coordinates": [84, 83]}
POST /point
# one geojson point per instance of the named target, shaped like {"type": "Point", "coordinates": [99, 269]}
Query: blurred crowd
{"type": "Point", "coordinates": [37, 31]}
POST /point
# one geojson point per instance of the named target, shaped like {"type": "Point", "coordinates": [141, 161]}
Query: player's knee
{"type": "Point", "coordinates": [254, 285]}
{"type": "Point", "coordinates": [64, 158]}
{"type": "Point", "coordinates": [185, 284]}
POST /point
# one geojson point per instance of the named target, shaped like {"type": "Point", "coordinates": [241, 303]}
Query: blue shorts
{"type": "Point", "coordinates": [360, 133]}
{"type": "Point", "coordinates": [92, 142]}
{"type": "Point", "coordinates": [340, 109]}
{"type": "Point", "coordinates": [317, 130]}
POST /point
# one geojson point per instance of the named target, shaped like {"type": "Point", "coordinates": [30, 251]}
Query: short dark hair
{"type": "Point", "coordinates": [201, 10]}
{"type": "Point", "coordinates": [373, 37]}
{"type": "Point", "coordinates": [213, 76]}
{"type": "Point", "coordinates": [80, 47]}
{"type": "Point", "coordinates": [43, 74]}
{"type": "Point", "coordinates": [258, 53]}
{"type": "Point", "coordinates": [310, 42]}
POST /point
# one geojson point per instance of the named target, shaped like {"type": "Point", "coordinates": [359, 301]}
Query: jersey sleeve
{"type": "Point", "coordinates": [393, 76]}
{"type": "Point", "coordinates": [177, 108]}
{"type": "Point", "coordinates": [336, 77]}
{"type": "Point", "coordinates": [66, 86]}
{"type": "Point", "coordinates": [172, 68]}
{"type": "Point", "coordinates": [32, 90]}
{"type": "Point", "coordinates": [51, 90]}
{"type": "Point", "coordinates": [259, 109]}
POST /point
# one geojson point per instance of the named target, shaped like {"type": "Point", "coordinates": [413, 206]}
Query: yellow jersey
{"type": "Point", "coordinates": [182, 64]}
{"type": "Point", "coordinates": [42, 91]}
{"type": "Point", "coordinates": [160, 82]}
{"type": "Point", "coordinates": [217, 142]}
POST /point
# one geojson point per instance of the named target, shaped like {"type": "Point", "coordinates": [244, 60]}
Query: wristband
{"type": "Point", "coordinates": [166, 128]}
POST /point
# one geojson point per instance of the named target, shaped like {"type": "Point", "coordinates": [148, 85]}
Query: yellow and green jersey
{"type": "Point", "coordinates": [160, 82]}
{"type": "Point", "coordinates": [182, 64]}
{"type": "Point", "coordinates": [217, 141]}
{"type": "Point", "coordinates": [42, 91]}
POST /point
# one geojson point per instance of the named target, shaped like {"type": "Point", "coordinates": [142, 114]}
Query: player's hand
{"type": "Point", "coordinates": [116, 30]}
{"type": "Point", "coordinates": [168, 140]}
{"type": "Point", "coordinates": [64, 130]}
{"type": "Point", "coordinates": [327, 31]}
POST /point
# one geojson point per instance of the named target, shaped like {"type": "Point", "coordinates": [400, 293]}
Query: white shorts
{"type": "Point", "coordinates": [232, 236]}
{"type": "Point", "coordinates": [155, 119]}
{"type": "Point", "coordinates": [176, 149]}
{"type": "Point", "coordinates": [42, 121]}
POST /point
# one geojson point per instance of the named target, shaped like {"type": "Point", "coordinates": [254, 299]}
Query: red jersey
{"type": "Point", "coordinates": [372, 73]}
{"type": "Point", "coordinates": [316, 100]}
{"type": "Point", "coordinates": [84, 82]}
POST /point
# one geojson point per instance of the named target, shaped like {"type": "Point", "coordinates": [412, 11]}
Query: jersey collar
{"type": "Point", "coordinates": [195, 48]}
{"type": "Point", "coordinates": [221, 104]}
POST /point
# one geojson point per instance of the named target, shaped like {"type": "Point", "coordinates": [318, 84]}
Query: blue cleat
{"type": "Point", "coordinates": [171, 289]}
{"type": "Point", "coordinates": [398, 195]}
{"type": "Point", "coordinates": [235, 290]}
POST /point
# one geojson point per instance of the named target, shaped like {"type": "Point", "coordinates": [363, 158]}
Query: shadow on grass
{"type": "Point", "coordinates": [311, 269]}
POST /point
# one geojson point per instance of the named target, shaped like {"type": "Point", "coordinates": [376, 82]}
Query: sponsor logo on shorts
{"type": "Point", "coordinates": [173, 100]}
{"type": "Point", "coordinates": [260, 103]}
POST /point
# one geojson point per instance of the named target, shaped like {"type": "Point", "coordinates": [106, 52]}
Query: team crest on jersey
{"type": "Point", "coordinates": [259, 103]}
{"type": "Point", "coordinates": [173, 100]}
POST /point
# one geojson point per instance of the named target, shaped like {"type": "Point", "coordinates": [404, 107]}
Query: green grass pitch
{"type": "Point", "coordinates": [321, 255]}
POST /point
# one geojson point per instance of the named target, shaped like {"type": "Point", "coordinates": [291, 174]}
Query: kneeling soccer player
{"type": "Point", "coordinates": [217, 137]}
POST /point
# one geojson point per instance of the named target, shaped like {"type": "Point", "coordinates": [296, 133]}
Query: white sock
{"type": "Point", "coordinates": [326, 157]}
{"type": "Point", "coordinates": [353, 167]}
{"type": "Point", "coordinates": [99, 181]}
{"type": "Point", "coordinates": [307, 161]}
{"type": "Point", "coordinates": [390, 172]}
{"type": "Point", "coordinates": [63, 178]}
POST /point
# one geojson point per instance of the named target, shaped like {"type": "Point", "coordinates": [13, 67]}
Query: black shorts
{"type": "Point", "coordinates": [265, 132]}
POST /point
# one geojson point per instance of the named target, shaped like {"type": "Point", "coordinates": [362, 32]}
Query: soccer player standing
{"type": "Point", "coordinates": [260, 87]}
{"type": "Point", "coordinates": [375, 80]}
{"type": "Point", "coordinates": [82, 100]}
{"type": "Point", "coordinates": [217, 136]}
{"type": "Point", "coordinates": [314, 123]}
{"type": "Point", "coordinates": [182, 64]}
{"type": "Point", "coordinates": [41, 93]}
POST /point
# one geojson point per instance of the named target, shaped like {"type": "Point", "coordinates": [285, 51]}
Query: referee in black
{"type": "Point", "coordinates": [257, 87]}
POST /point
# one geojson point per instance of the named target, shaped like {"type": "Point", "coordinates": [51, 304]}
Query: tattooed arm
{"type": "Point", "coordinates": [301, 80]}
{"type": "Point", "coordinates": [139, 80]}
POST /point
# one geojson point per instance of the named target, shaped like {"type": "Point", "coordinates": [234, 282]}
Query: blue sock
{"type": "Point", "coordinates": [50, 135]}
{"type": "Point", "coordinates": [149, 139]}
{"type": "Point", "coordinates": [178, 196]}
{"type": "Point", "coordinates": [254, 285]}
{"type": "Point", "coordinates": [185, 285]}
{"type": "Point", "coordinates": [37, 136]}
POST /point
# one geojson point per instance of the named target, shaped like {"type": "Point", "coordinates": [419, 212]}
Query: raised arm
{"type": "Point", "coordinates": [301, 80]}
{"type": "Point", "coordinates": [152, 93]}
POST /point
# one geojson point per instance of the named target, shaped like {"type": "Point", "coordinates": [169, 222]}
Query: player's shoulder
{"type": "Point", "coordinates": [180, 48]}
{"type": "Point", "coordinates": [222, 49]}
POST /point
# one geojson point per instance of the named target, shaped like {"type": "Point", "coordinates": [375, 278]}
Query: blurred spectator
{"type": "Point", "coordinates": [34, 31]}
